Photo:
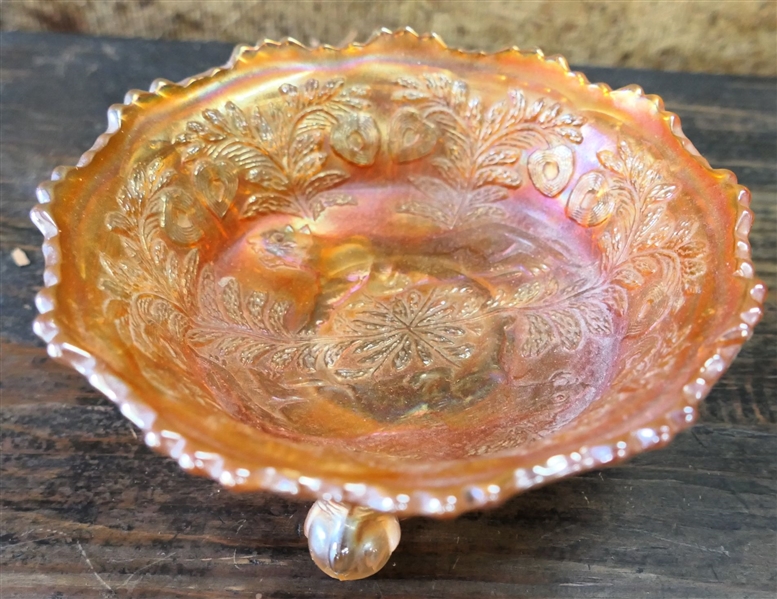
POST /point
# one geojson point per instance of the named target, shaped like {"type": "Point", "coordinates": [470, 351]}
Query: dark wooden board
{"type": "Point", "coordinates": [88, 511]}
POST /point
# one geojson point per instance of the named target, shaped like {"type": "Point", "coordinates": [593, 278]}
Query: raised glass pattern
{"type": "Point", "coordinates": [416, 289]}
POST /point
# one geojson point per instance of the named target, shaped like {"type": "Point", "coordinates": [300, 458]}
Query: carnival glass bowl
{"type": "Point", "coordinates": [395, 277]}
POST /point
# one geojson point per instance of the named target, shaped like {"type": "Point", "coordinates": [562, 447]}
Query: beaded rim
{"type": "Point", "coordinates": [432, 500]}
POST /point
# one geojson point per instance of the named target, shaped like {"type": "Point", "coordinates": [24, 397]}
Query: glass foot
{"type": "Point", "coordinates": [349, 543]}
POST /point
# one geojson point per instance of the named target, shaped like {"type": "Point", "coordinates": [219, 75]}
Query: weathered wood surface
{"type": "Point", "coordinates": [88, 511]}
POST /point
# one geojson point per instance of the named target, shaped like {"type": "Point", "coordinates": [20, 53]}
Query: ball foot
{"type": "Point", "coordinates": [349, 543]}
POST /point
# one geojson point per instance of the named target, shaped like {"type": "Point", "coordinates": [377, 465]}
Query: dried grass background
{"type": "Point", "coordinates": [734, 37]}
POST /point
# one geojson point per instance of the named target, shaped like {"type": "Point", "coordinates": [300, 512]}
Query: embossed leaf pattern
{"type": "Point", "coordinates": [643, 238]}
{"type": "Point", "coordinates": [649, 260]}
{"type": "Point", "coordinates": [229, 324]}
{"type": "Point", "coordinates": [649, 357]}
{"type": "Point", "coordinates": [154, 267]}
{"type": "Point", "coordinates": [563, 320]}
{"type": "Point", "coordinates": [278, 149]}
{"type": "Point", "coordinates": [149, 285]}
{"type": "Point", "coordinates": [171, 312]}
{"type": "Point", "coordinates": [162, 305]}
{"type": "Point", "coordinates": [376, 338]}
{"type": "Point", "coordinates": [481, 148]}
{"type": "Point", "coordinates": [426, 327]}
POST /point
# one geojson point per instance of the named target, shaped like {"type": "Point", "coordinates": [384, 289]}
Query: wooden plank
{"type": "Point", "coordinates": [88, 511]}
{"type": "Point", "coordinates": [696, 520]}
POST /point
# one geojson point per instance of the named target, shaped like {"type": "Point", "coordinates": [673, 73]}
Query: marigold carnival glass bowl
{"type": "Point", "coordinates": [397, 278]}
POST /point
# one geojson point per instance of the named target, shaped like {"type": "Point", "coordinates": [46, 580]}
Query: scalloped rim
{"type": "Point", "coordinates": [432, 501]}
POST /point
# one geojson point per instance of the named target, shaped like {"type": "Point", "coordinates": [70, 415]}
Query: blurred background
{"type": "Point", "coordinates": [733, 37]}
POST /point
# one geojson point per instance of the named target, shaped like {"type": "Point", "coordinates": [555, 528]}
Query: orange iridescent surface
{"type": "Point", "coordinates": [396, 275]}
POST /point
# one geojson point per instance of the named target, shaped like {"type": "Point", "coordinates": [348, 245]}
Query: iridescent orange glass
{"type": "Point", "coordinates": [398, 278]}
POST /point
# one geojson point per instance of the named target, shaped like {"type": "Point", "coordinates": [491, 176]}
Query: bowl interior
{"type": "Point", "coordinates": [353, 253]}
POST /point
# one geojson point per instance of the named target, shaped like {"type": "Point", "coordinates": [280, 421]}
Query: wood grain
{"type": "Point", "coordinates": [88, 511]}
